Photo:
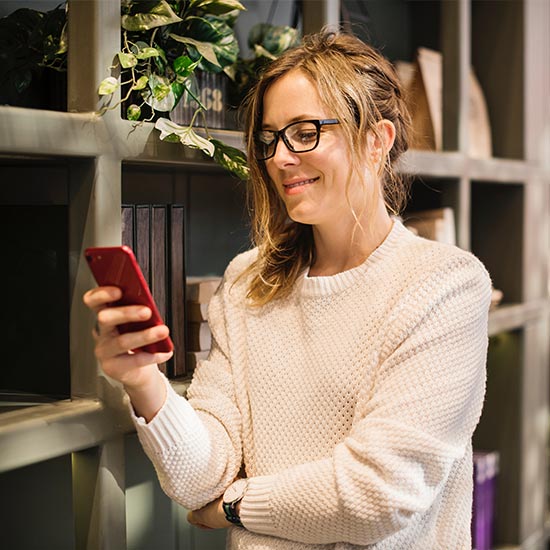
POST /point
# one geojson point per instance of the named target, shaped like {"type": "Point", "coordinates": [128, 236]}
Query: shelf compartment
{"type": "Point", "coordinates": [497, 58]}
{"type": "Point", "coordinates": [215, 215]}
{"type": "Point", "coordinates": [499, 429]}
{"type": "Point", "coordinates": [37, 506]}
{"type": "Point", "coordinates": [497, 234]}
{"type": "Point", "coordinates": [35, 313]}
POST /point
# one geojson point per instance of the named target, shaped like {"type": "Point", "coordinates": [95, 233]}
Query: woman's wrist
{"type": "Point", "coordinates": [148, 396]}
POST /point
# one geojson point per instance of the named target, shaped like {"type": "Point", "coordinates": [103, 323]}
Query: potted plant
{"type": "Point", "coordinates": [165, 45]}
{"type": "Point", "coordinates": [33, 48]}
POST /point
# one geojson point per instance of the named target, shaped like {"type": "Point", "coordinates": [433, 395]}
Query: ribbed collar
{"type": "Point", "coordinates": [333, 284]}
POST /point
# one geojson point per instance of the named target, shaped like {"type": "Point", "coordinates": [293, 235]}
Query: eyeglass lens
{"type": "Point", "coordinates": [299, 137]}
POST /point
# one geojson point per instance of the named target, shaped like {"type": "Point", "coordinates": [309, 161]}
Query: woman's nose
{"type": "Point", "coordinates": [283, 155]}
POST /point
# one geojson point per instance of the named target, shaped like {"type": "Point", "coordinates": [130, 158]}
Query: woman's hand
{"type": "Point", "coordinates": [137, 371]}
{"type": "Point", "coordinates": [210, 516]}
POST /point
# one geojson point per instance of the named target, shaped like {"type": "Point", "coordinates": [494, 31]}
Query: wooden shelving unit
{"type": "Point", "coordinates": [88, 165]}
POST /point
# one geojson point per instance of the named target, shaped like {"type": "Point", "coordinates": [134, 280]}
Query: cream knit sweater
{"type": "Point", "coordinates": [351, 404]}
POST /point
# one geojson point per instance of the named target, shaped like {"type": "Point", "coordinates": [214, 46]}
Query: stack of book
{"type": "Point", "coordinates": [155, 232]}
{"type": "Point", "coordinates": [199, 338]}
{"type": "Point", "coordinates": [485, 472]}
{"type": "Point", "coordinates": [437, 224]}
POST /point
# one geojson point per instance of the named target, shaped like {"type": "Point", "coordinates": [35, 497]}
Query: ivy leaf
{"type": "Point", "coordinates": [184, 66]}
{"type": "Point", "coordinates": [133, 112]}
{"type": "Point", "coordinates": [260, 51]}
{"type": "Point", "coordinates": [127, 60]}
{"type": "Point", "coordinates": [204, 48]}
{"type": "Point", "coordinates": [221, 37]}
{"type": "Point", "coordinates": [159, 15]}
{"type": "Point", "coordinates": [162, 94]}
{"type": "Point", "coordinates": [148, 52]}
{"type": "Point", "coordinates": [217, 7]}
{"type": "Point", "coordinates": [233, 160]}
{"type": "Point", "coordinates": [187, 136]}
{"type": "Point", "coordinates": [141, 83]}
{"type": "Point", "coordinates": [108, 86]}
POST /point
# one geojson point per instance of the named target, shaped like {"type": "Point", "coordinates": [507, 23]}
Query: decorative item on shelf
{"type": "Point", "coordinates": [483, 515]}
{"type": "Point", "coordinates": [168, 48]}
{"type": "Point", "coordinates": [33, 46]}
{"type": "Point", "coordinates": [423, 83]}
{"type": "Point", "coordinates": [437, 224]}
{"type": "Point", "coordinates": [211, 91]}
{"type": "Point", "coordinates": [496, 298]}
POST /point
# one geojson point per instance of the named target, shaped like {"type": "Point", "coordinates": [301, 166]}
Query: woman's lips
{"type": "Point", "coordinates": [294, 187]}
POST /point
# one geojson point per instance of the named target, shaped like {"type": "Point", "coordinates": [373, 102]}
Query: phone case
{"type": "Point", "coordinates": [117, 266]}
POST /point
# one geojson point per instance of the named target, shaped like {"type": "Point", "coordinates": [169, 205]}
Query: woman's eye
{"type": "Point", "coordinates": [306, 137]}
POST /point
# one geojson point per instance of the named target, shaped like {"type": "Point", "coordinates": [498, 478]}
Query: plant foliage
{"type": "Point", "coordinates": [30, 41]}
{"type": "Point", "coordinates": [164, 43]}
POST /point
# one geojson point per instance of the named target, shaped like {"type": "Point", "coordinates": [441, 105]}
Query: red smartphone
{"type": "Point", "coordinates": [117, 266]}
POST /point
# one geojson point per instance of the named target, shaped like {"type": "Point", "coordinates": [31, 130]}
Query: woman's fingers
{"type": "Point", "coordinates": [98, 298]}
{"type": "Point", "coordinates": [111, 343]}
{"type": "Point", "coordinates": [113, 316]}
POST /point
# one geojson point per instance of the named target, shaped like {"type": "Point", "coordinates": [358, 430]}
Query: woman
{"type": "Point", "coordinates": [347, 371]}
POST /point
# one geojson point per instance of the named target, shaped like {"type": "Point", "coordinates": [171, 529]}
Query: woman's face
{"type": "Point", "coordinates": [312, 184]}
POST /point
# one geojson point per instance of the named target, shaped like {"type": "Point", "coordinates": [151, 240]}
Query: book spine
{"type": "Point", "coordinates": [128, 225]}
{"type": "Point", "coordinates": [143, 239]}
{"type": "Point", "coordinates": [158, 263]}
{"type": "Point", "coordinates": [177, 287]}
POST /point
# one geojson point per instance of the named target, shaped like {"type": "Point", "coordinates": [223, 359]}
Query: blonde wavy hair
{"type": "Point", "coordinates": [360, 88]}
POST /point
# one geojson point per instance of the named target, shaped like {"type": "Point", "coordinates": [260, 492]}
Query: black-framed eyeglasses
{"type": "Point", "coordinates": [299, 137]}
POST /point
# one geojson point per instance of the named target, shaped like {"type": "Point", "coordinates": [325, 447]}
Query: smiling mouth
{"type": "Point", "coordinates": [299, 183]}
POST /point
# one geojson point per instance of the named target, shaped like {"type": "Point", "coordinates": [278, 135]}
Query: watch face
{"type": "Point", "coordinates": [235, 491]}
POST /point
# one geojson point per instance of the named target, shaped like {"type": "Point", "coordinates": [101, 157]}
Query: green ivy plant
{"type": "Point", "coordinates": [164, 43]}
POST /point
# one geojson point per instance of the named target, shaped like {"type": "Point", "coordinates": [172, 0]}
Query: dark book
{"type": "Point", "coordinates": [127, 225]}
{"type": "Point", "coordinates": [142, 244]}
{"type": "Point", "coordinates": [176, 278]}
{"type": "Point", "coordinates": [159, 258]}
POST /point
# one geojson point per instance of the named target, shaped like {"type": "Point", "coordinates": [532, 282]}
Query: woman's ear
{"type": "Point", "coordinates": [381, 141]}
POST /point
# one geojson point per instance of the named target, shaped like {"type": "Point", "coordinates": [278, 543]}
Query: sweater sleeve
{"type": "Point", "coordinates": [195, 445]}
{"type": "Point", "coordinates": [414, 423]}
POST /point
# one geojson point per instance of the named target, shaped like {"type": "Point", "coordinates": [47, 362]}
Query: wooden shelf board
{"type": "Point", "coordinates": [36, 433]}
{"type": "Point", "coordinates": [513, 316]}
{"type": "Point", "coordinates": [42, 432]}
{"type": "Point", "coordinates": [36, 133]}
{"type": "Point", "coordinates": [32, 132]}
{"type": "Point", "coordinates": [432, 164]}
{"type": "Point", "coordinates": [499, 170]}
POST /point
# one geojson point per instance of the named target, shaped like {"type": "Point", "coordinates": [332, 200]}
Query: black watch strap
{"type": "Point", "coordinates": [230, 509]}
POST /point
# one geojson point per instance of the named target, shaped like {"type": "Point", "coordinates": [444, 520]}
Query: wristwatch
{"type": "Point", "coordinates": [232, 496]}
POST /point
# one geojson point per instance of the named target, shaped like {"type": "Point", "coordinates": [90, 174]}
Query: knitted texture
{"type": "Point", "coordinates": [351, 404]}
